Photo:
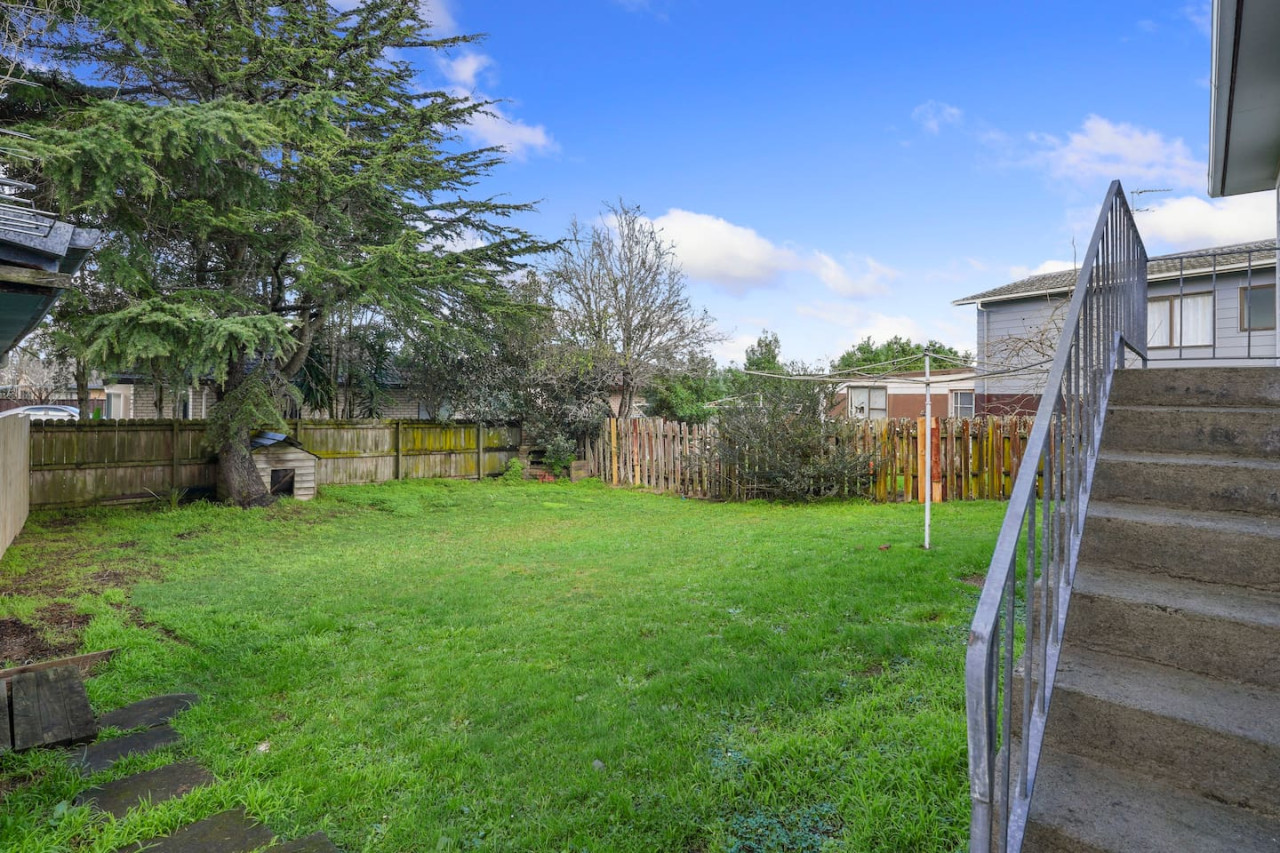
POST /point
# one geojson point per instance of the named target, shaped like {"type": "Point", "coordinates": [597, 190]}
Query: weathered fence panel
{"type": "Point", "coordinates": [83, 462]}
{"type": "Point", "coordinates": [976, 458]}
{"type": "Point", "coordinates": [15, 450]}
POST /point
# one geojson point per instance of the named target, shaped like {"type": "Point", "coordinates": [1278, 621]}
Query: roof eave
{"type": "Point", "coordinates": [1221, 88]}
{"type": "Point", "coordinates": [1013, 297]}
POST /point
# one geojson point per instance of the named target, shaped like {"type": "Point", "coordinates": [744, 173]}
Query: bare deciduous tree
{"type": "Point", "coordinates": [618, 295]}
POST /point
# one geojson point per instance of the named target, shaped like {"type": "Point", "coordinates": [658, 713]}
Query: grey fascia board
{"type": "Point", "coordinates": [1220, 85]}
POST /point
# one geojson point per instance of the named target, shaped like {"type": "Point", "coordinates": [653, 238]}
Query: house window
{"type": "Point", "coordinates": [868, 402]}
{"type": "Point", "coordinates": [961, 404]}
{"type": "Point", "coordinates": [1180, 321]}
{"type": "Point", "coordinates": [1257, 308]}
{"type": "Point", "coordinates": [115, 406]}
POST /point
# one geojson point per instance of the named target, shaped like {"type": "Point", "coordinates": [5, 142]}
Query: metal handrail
{"type": "Point", "coordinates": [1042, 529]}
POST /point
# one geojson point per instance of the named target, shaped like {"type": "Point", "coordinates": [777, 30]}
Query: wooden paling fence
{"type": "Point", "coordinates": [973, 458]}
{"type": "Point", "coordinates": [83, 462]}
{"type": "Point", "coordinates": [15, 496]}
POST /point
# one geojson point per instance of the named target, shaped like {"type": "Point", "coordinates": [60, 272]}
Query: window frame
{"type": "Point", "coordinates": [849, 408]}
{"type": "Point", "coordinates": [1172, 300]}
{"type": "Point", "coordinates": [1244, 291]}
{"type": "Point", "coordinates": [972, 405]}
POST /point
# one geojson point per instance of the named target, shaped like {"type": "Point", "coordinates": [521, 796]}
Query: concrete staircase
{"type": "Point", "coordinates": [1164, 728]}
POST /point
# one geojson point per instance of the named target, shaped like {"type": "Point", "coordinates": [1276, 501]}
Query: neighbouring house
{"type": "Point", "coordinates": [134, 398]}
{"type": "Point", "coordinates": [902, 395]}
{"type": "Point", "coordinates": [1209, 307]}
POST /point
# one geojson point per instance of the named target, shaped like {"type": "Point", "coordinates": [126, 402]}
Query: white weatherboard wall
{"type": "Point", "coordinates": [1014, 334]}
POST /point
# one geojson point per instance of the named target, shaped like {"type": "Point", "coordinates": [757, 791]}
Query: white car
{"type": "Point", "coordinates": [46, 412]}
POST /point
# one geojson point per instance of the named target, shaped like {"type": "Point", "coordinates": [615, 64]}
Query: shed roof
{"type": "Point", "coordinates": [1260, 252]}
{"type": "Point", "coordinates": [265, 439]}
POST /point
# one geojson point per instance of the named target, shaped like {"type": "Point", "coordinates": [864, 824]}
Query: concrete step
{"type": "Point", "coordinates": [1080, 806]}
{"type": "Point", "coordinates": [1192, 429]}
{"type": "Point", "coordinates": [1215, 547]}
{"type": "Point", "coordinates": [1213, 482]}
{"type": "Point", "coordinates": [1218, 738]}
{"type": "Point", "coordinates": [1198, 386]}
{"type": "Point", "coordinates": [1213, 629]}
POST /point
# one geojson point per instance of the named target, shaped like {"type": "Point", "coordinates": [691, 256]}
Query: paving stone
{"type": "Point", "coordinates": [155, 786]}
{"type": "Point", "coordinates": [315, 843]}
{"type": "Point", "coordinates": [226, 832]}
{"type": "Point", "coordinates": [101, 755]}
{"type": "Point", "coordinates": [155, 711]}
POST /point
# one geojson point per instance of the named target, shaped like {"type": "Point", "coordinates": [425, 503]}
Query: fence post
{"type": "Point", "coordinates": [479, 451]}
{"type": "Point", "coordinates": [399, 452]}
{"type": "Point", "coordinates": [173, 468]}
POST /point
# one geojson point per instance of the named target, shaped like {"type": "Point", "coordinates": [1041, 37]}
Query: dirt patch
{"type": "Point", "coordinates": [22, 643]}
{"type": "Point", "coordinates": [60, 521]}
{"type": "Point", "coordinates": [128, 544]}
{"type": "Point", "coordinates": [106, 578]}
{"type": "Point", "coordinates": [974, 580]}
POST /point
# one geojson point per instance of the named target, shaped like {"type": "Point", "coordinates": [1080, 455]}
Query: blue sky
{"type": "Point", "coordinates": [831, 171]}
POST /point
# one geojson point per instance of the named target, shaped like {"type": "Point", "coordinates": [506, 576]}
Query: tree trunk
{"type": "Point", "coordinates": [238, 479]}
{"type": "Point", "coordinates": [81, 374]}
{"type": "Point", "coordinates": [626, 396]}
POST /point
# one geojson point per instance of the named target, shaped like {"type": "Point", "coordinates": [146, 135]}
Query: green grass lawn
{"type": "Point", "coordinates": [426, 666]}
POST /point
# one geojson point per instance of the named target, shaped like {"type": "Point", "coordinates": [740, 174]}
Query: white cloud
{"type": "Point", "coordinates": [492, 126]}
{"type": "Point", "coordinates": [1201, 16]}
{"type": "Point", "coordinates": [1018, 272]}
{"type": "Point", "coordinates": [740, 259]}
{"type": "Point", "coordinates": [932, 115]}
{"type": "Point", "coordinates": [1195, 223]}
{"type": "Point", "coordinates": [464, 70]}
{"type": "Point", "coordinates": [732, 349]}
{"type": "Point", "coordinates": [715, 249]}
{"type": "Point", "coordinates": [873, 280]}
{"type": "Point", "coordinates": [1105, 150]}
{"type": "Point", "coordinates": [863, 322]}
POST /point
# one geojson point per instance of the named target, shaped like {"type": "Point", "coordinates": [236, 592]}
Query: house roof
{"type": "Point", "coordinates": [1260, 252]}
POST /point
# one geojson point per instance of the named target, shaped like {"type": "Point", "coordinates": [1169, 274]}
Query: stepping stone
{"type": "Point", "coordinates": [49, 708]}
{"type": "Point", "coordinates": [155, 786]}
{"type": "Point", "coordinates": [101, 755]}
{"type": "Point", "coordinates": [315, 843]}
{"type": "Point", "coordinates": [227, 832]}
{"type": "Point", "coordinates": [152, 712]}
